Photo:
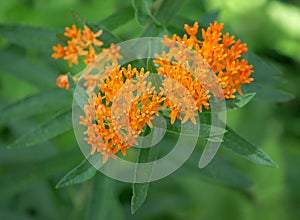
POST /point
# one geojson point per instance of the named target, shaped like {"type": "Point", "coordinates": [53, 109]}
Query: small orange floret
{"type": "Point", "coordinates": [77, 45]}
{"type": "Point", "coordinates": [90, 57]}
{"type": "Point", "coordinates": [73, 33]}
{"type": "Point", "coordinates": [192, 30]}
{"type": "Point", "coordinates": [62, 82]}
{"type": "Point", "coordinates": [59, 51]}
{"type": "Point", "coordinates": [89, 37]}
{"type": "Point", "coordinates": [221, 51]}
{"type": "Point", "coordinates": [72, 53]}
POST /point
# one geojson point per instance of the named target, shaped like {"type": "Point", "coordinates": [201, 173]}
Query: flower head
{"type": "Point", "coordinates": [59, 51]}
{"type": "Point", "coordinates": [90, 37]}
{"type": "Point", "coordinates": [123, 100]}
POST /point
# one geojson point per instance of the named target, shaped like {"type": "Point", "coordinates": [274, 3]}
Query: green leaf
{"type": "Point", "coordinates": [264, 73]}
{"type": "Point", "coordinates": [218, 170]}
{"type": "Point", "coordinates": [58, 124]}
{"type": "Point", "coordinates": [81, 173]}
{"type": "Point", "coordinates": [79, 20]}
{"type": "Point", "coordinates": [19, 180]}
{"type": "Point", "coordinates": [140, 190]}
{"type": "Point", "coordinates": [164, 14]}
{"type": "Point", "coordinates": [102, 198]}
{"type": "Point", "coordinates": [266, 79]}
{"type": "Point", "coordinates": [35, 104]}
{"type": "Point", "coordinates": [117, 19]}
{"type": "Point", "coordinates": [36, 38]}
{"type": "Point", "coordinates": [267, 93]}
{"type": "Point", "coordinates": [13, 215]}
{"type": "Point", "coordinates": [38, 74]}
{"type": "Point", "coordinates": [72, 83]}
{"type": "Point", "coordinates": [242, 147]}
{"type": "Point", "coordinates": [239, 101]}
{"type": "Point", "coordinates": [209, 18]}
{"type": "Point", "coordinates": [111, 23]}
{"type": "Point", "coordinates": [143, 11]}
{"type": "Point", "coordinates": [205, 130]}
{"type": "Point", "coordinates": [150, 66]}
{"type": "Point", "coordinates": [167, 10]}
{"type": "Point", "coordinates": [155, 78]}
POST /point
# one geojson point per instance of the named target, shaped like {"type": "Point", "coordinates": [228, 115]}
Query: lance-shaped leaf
{"type": "Point", "coordinates": [209, 18]}
{"type": "Point", "coordinates": [101, 199]}
{"type": "Point", "coordinates": [79, 20]}
{"type": "Point", "coordinates": [242, 147]}
{"type": "Point", "coordinates": [82, 172]}
{"type": "Point", "coordinates": [37, 38]}
{"type": "Point", "coordinates": [264, 72]}
{"type": "Point", "coordinates": [266, 79]}
{"type": "Point", "coordinates": [43, 102]}
{"type": "Point", "coordinates": [267, 93]}
{"type": "Point", "coordinates": [56, 125]}
{"type": "Point", "coordinates": [117, 19]}
{"type": "Point", "coordinates": [140, 190]}
{"type": "Point", "coordinates": [143, 11]}
{"type": "Point", "coordinates": [167, 10]}
{"type": "Point", "coordinates": [20, 179]}
{"type": "Point", "coordinates": [164, 14]}
{"type": "Point", "coordinates": [39, 75]}
{"type": "Point", "coordinates": [239, 101]}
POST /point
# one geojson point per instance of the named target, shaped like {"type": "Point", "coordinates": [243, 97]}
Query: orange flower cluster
{"type": "Point", "coordinates": [80, 40]}
{"type": "Point", "coordinates": [125, 101]}
{"type": "Point", "coordinates": [113, 119]}
{"type": "Point", "coordinates": [221, 52]}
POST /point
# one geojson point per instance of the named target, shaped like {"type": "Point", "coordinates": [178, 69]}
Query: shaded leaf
{"type": "Point", "coordinates": [79, 20]}
{"type": "Point", "coordinates": [155, 79]}
{"type": "Point", "coordinates": [35, 104]}
{"type": "Point", "coordinates": [21, 179]}
{"type": "Point", "coordinates": [37, 38]}
{"type": "Point", "coordinates": [58, 124]}
{"type": "Point", "coordinates": [239, 101]}
{"type": "Point", "coordinates": [209, 18]}
{"type": "Point", "coordinates": [140, 190]}
{"type": "Point", "coordinates": [167, 10]}
{"type": "Point", "coordinates": [205, 130]}
{"type": "Point", "coordinates": [242, 147]}
{"type": "Point", "coordinates": [81, 173]}
{"type": "Point", "coordinates": [72, 83]}
{"type": "Point", "coordinates": [41, 76]}
{"type": "Point", "coordinates": [143, 11]}
{"type": "Point", "coordinates": [267, 93]}
{"type": "Point", "coordinates": [117, 19]}
{"type": "Point", "coordinates": [219, 171]}
{"type": "Point", "coordinates": [164, 14]}
{"type": "Point", "coordinates": [266, 78]}
{"type": "Point", "coordinates": [110, 23]}
{"type": "Point", "coordinates": [150, 66]}
{"type": "Point", "coordinates": [264, 73]}
{"type": "Point", "coordinates": [101, 198]}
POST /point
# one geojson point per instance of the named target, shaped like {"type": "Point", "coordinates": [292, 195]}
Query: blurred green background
{"type": "Point", "coordinates": [271, 29]}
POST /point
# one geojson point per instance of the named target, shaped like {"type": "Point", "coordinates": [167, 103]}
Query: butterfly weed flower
{"type": "Point", "coordinates": [221, 51]}
{"type": "Point", "coordinates": [80, 43]}
{"type": "Point", "coordinates": [107, 131]}
{"type": "Point", "coordinates": [122, 102]}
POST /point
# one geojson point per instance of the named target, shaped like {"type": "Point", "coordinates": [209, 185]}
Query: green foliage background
{"type": "Point", "coordinates": [29, 176]}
